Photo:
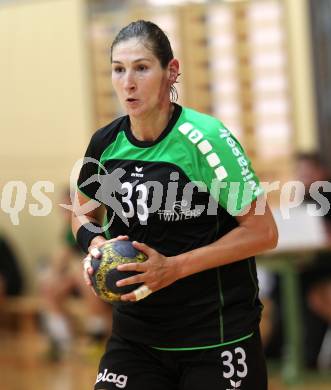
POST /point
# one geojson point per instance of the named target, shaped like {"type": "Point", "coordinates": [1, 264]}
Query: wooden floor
{"type": "Point", "coordinates": [23, 367]}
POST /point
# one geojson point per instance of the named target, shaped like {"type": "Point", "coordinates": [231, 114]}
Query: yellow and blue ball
{"type": "Point", "coordinates": [105, 273]}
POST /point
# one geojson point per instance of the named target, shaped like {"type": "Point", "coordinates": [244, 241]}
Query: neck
{"type": "Point", "coordinates": [149, 127]}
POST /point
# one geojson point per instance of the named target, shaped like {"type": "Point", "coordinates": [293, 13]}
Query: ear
{"type": "Point", "coordinates": [173, 70]}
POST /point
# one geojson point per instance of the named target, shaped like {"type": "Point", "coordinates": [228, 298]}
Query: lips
{"type": "Point", "coordinates": [130, 100]}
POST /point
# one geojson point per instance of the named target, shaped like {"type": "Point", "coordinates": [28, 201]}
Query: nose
{"type": "Point", "coordinates": [129, 82]}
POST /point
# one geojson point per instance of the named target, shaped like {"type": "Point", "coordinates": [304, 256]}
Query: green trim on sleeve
{"type": "Point", "coordinates": [83, 193]}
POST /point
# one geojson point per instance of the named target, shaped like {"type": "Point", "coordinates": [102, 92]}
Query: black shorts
{"type": "Point", "coordinates": [238, 365]}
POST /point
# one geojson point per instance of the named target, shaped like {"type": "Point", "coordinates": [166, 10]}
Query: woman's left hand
{"type": "Point", "coordinates": [155, 273]}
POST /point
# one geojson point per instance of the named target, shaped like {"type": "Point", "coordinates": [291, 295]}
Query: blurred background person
{"type": "Point", "coordinates": [61, 279]}
{"type": "Point", "coordinates": [316, 276]}
{"type": "Point", "coordinates": [11, 276]}
{"type": "Point", "coordinates": [267, 282]}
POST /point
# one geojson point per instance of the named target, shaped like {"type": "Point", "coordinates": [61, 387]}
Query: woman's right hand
{"type": "Point", "coordinates": [94, 251]}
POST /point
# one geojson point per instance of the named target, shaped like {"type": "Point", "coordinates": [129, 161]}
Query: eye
{"type": "Point", "coordinates": [118, 69]}
{"type": "Point", "coordinates": [141, 68]}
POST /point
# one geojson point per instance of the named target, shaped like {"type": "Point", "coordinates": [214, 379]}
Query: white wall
{"type": "Point", "coordinates": [45, 110]}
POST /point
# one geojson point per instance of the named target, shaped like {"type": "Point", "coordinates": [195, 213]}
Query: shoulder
{"type": "Point", "coordinates": [200, 121]}
{"type": "Point", "coordinates": [199, 127]}
{"type": "Point", "coordinates": [108, 133]}
{"type": "Point", "coordinates": [105, 136]}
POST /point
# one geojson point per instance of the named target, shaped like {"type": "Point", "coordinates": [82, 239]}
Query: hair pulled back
{"type": "Point", "coordinates": [153, 38]}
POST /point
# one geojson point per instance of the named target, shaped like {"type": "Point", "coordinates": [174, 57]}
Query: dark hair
{"type": "Point", "coordinates": [153, 38]}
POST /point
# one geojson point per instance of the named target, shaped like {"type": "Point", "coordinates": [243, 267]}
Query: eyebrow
{"type": "Point", "coordinates": [138, 60]}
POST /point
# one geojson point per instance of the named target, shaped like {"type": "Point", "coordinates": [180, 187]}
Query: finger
{"type": "Point", "coordinates": [88, 270]}
{"type": "Point", "coordinates": [138, 294]}
{"type": "Point", "coordinates": [118, 238]}
{"type": "Point", "coordinates": [139, 267]}
{"type": "Point", "coordinates": [95, 252]}
{"type": "Point", "coordinates": [95, 249]}
{"type": "Point", "coordinates": [131, 280]}
{"type": "Point", "coordinates": [87, 262]}
{"type": "Point", "coordinates": [143, 248]}
{"type": "Point", "coordinates": [128, 297]}
{"type": "Point", "coordinates": [142, 292]}
{"type": "Point", "coordinates": [87, 279]}
{"type": "Point", "coordinates": [94, 292]}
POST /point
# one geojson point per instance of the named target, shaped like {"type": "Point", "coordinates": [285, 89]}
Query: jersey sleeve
{"type": "Point", "coordinates": [88, 181]}
{"type": "Point", "coordinates": [230, 177]}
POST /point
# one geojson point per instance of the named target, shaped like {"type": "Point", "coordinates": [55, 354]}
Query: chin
{"type": "Point", "coordinates": [136, 112]}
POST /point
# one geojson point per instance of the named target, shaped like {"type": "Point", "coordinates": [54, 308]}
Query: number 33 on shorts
{"type": "Point", "coordinates": [230, 360]}
{"type": "Point", "coordinates": [243, 366]}
{"type": "Point", "coordinates": [234, 367]}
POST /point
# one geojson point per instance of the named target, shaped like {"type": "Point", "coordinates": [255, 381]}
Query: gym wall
{"type": "Point", "coordinates": [45, 113]}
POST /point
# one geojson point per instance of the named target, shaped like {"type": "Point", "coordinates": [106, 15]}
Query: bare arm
{"type": "Point", "coordinates": [81, 217]}
{"type": "Point", "coordinates": [255, 234]}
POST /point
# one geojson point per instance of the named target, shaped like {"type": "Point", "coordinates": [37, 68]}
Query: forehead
{"type": "Point", "coordinates": [131, 50]}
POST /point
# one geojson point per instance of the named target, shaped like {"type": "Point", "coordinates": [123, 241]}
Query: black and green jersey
{"type": "Point", "coordinates": [177, 193]}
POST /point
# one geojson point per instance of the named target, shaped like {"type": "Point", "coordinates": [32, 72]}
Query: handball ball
{"type": "Point", "coordinates": [105, 275]}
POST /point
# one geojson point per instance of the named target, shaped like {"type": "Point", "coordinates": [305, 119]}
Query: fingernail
{"type": "Point", "coordinates": [118, 283]}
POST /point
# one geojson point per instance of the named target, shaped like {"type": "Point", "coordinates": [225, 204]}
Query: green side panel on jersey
{"type": "Point", "coordinates": [253, 281]}
{"type": "Point", "coordinates": [206, 152]}
{"type": "Point", "coordinates": [222, 304]}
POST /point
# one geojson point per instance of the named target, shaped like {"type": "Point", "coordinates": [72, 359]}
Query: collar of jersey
{"type": "Point", "coordinates": [144, 144]}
